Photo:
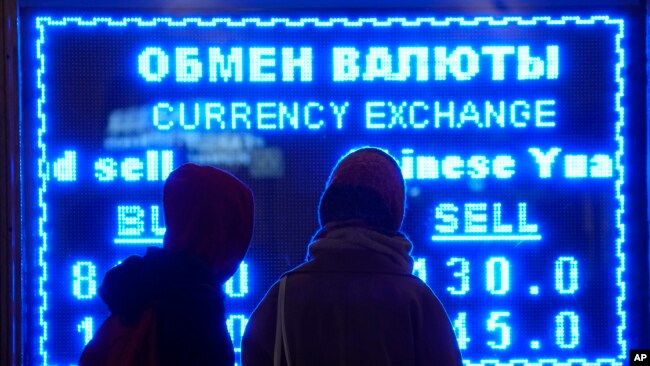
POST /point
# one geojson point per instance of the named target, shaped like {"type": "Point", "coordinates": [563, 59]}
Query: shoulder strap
{"type": "Point", "coordinates": [280, 329]}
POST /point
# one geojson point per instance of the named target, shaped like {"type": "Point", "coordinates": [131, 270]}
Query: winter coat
{"type": "Point", "coordinates": [166, 310]}
{"type": "Point", "coordinates": [167, 306]}
{"type": "Point", "coordinates": [354, 302]}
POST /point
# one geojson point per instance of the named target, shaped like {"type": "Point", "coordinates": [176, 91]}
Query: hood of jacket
{"type": "Point", "coordinates": [209, 216]}
{"type": "Point", "coordinates": [355, 236]}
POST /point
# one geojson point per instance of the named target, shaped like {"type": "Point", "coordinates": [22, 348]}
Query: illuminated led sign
{"type": "Point", "coordinates": [509, 131]}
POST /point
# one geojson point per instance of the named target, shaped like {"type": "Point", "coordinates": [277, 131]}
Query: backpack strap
{"type": "Point", "coordinates": [281, 343]}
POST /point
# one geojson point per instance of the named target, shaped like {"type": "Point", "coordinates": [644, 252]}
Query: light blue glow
{"type": "Point", "coordinates": [138, 241]}
{"type": "Point", "coordinates": [65, 168]}
{"type": "Point", "coordinates": [427, 167]}
{"type": "Point", "coordinates": [476, 218]}
{"type": "Point", "coordinates": [528, 67]}
{"type": "Point", "coordinates": [460, 328]}
{"type": "Point", "coordinates": [519, 113]}
{"type": "Point", "coordinates": [106, 169]}
{"type": "Point", "coordinates": [570, 339]}
{"type": "Point", "coordinates": [596, 168]}
{"type": "Point", "coordinates": [545, 160]}
{"type": "Point", "coordinates": [453, 167]}
{"type": "Point", "coordinates": [339, 112]}
{"type": "Point", "coordinates": [156, 228]}
{"type": "Point", "coordinates": [446, 213]}
{"type": "Point", "coordinates": [544, 114]}
{"type": "Point", "coordinates": [344, 64]}
{"type": "Point", "coordinates": [499, 226]}
{"type": "Point", "coordinates": [372, 114]}
{"type": "Point", "coordinates": [262, 62]}
{"type": "Point", "coordinates": [130, 220]}
{"type": "Point", "coordinates": [486, 238]}
{"type": "Point", "coordinates": [310, 109]}
{"type": "Point", "coordinates": [226, 67]}
{"type": "Point", "coordinates": [131, 223]}
{"type": "Point", "coordinates": [498, 54]}
{"type": "Point", "coordinates": [499, 114]}
{"type": "Point", "coordinates": [379, 64]}
{"type": "Point", "coordinates": [478, 167]}
{"type": "Point", "coordinates": [463, 274]}
{"type": "Point", "coordinates": [153, 64]}
{"type": "Point", "coordinates": [454, 62]}
{"type": "Point", "coordinates": [418, 123]}
{"type": "Point", "coordinates": [498, 268]}
{"type": "Point", "coordinates": [534, 290]}
{"type": "Point", "coordinates": [167, 110]}
{"type": "Point", "coordinates": [188, 67]}
{"type": "Point", "coordinates": [601, 166]}
{"type": "Point", "coordinates": [266, 111]}
{"type": "Point", "coordinates": [84, 284]}
{"type": "Point", "coordinates": [132, 169]}
{"type": "Point", "coordinates": [86, 328]}
{"type": "Point", "coordinates": [566, 275]}
{"type": "Point", "coordinates": [575, 166]}
{"type": "Point", "coordinates": [447, 113]}
{"type": "Point", "coordinates": [405, 55]}
{"type": "Point", "coordinates": [156, 166]}
{"type": "Point", "coordinates": [261, 116]}
{"type": "Point", "coordinates": [397, 115]}
{"type": "Point", "coordinates": [240, 113]}
{"type": "Point", "coordinates": [524, 226]}
{"type": "Point", "coordinates": [422, 167]}
{"type": "Point", "coordinates": [237, 285]}
{"type": "Point", "coordinates": [497, 323]}
{"type": "Point", "coordinates": [503, 167]}
{"type": "Point", "coordinates": [236, 325]}
{"type": "Point", "coordinates": [420, 269]}
{"type": "Point", "coordinates": [214, 112]}
{"type": "Point", "coordinates": [534, 345]}
{"type": "Point", "coordinates": [469, 113]}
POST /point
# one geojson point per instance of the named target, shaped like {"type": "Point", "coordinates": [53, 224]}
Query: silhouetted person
{"type": "Point", "coordinates": [354, 301]}
{"type": "Point", "coordinates": [167, 306]}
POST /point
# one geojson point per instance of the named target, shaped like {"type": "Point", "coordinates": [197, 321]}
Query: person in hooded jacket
{"type": "Point", "coordinates": [167, 306]}
{"type": "Point", "coordinates": [354, 301]}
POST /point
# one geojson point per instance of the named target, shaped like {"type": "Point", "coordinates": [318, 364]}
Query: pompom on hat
{"type": "Point", "coordinates": [366, 184]}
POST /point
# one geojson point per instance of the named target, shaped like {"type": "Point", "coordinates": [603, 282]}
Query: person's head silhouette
{"type": "Point", "coordinates": [367, 185]}
{"type": "Point", "coordinates": [209, 216]}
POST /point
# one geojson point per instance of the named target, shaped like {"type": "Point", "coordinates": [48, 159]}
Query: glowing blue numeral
{"type": "Point", "coordinates": [460, 328]}
{"type": "Point", "coordinates": [239, 280]}
{"type": "Point", "coordinates": [503, 274]}
{"type": "Point", "coordinates": [84, 285]}
{"type": "Point", "coordinates": [561, 331]}
{"type": "Point", "coordinates": [86, 328]}
{"type": "Point", "coordinates": [493, 324]}
{"type": "Point", "coordinates": [560, 281]}
{"type": "Point", "coordinates": [236, 325]}
{"type": "Point", "coordinates": [463, 274]}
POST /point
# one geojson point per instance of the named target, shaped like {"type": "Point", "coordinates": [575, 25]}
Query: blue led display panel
{"type": "Point", "coordinates": [510, 132]}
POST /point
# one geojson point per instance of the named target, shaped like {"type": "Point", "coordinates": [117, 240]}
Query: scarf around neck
{"type": "Point", "coordinates": [352, 237]}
